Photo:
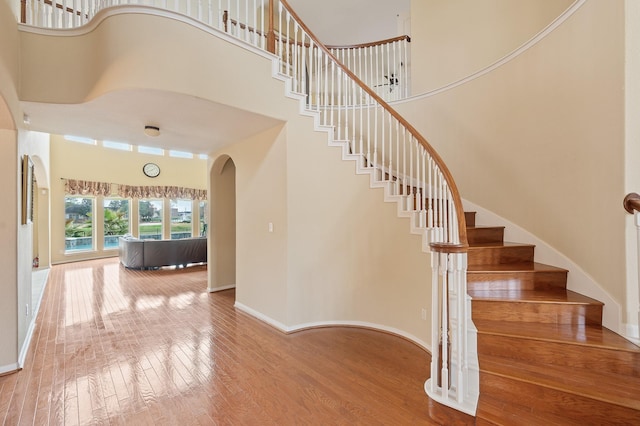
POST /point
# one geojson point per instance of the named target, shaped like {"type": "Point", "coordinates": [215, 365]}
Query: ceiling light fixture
{"type": "Point", "coordinates": [152, 131]}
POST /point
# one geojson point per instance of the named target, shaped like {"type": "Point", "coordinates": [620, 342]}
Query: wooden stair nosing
{"type": "Point", "coordinates": [617, 390]}
{"type": "Point", "coordinates": [593, 335]}
{"type": "Point", "coordinates": [572, 407]}
{"type": "Point", "coordinates": [500, 253]}
{"type": "Point", "coordinates": [541, 309]}
{"type": "Point", "coordinates": [559, 296]}
{"type": "Point", "coordinates": [529, 276]}
{"type": "Point", "coordinates": [494, 411]}
{"type": "Point", "coordinates": [561, 353]}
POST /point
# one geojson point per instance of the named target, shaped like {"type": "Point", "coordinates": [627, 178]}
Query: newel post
{"type": "Point", "coordinates": [454, 377]}
{"type": "Point", "coordinates": [271, 32]}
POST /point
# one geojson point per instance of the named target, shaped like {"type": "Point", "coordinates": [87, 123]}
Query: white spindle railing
{"type": "Point", "coordinates": [382, 65]}
{"type": "Point", "coordinates": [382, 141]}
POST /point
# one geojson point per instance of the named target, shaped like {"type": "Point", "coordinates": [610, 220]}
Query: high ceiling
{"type": "Point", "coordinates": [197, 125]}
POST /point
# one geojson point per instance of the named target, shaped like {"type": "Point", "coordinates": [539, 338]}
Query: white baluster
{"type": "Point", "coordinates": [445, 326]}
{"type": "Point", "coordinates": [435, 321]}
{"type": "Point", "coordinates": [423, 183]}
{"type": "Point", "coordinates": [296, 86]}
{"type": "Point", "coordinates": [29, 13]}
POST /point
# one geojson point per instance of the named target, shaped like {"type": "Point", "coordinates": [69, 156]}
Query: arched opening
{"type": "Point", "coordinates": [222, 225]}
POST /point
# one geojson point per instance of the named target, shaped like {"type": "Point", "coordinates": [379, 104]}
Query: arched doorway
{"type": "Point", "coordinates": [222, 225]}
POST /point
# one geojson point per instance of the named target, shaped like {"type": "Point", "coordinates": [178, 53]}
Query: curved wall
{"type": "Point", "coordinates": [454, 38]}
{"type": "Point", "coordinates": [338, 254]}
{"type": "Point", "coordinates": [540, 140]}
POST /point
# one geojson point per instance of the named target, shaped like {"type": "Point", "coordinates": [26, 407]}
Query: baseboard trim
{"type": "Point", "coordinates": [334, 323]}
{"type": "Point", "coordinates": [24, 351]}
{"type": "Point", "coordinates": [632, 333]}
{"type": "Point", "coordinates": [217, 289]}
{"type": "Point", "coordinates": [10, 368]}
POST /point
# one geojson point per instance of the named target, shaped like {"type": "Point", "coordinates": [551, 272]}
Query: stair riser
{"type": "Point", "coordinates": [517, 280]}
{"type": "Point", "coordinates": [500, 255]}
{"type": "Point", "coordinates": [470, 218]}
{"type": "Point", "coordinates": [485, 235]}
{"type": "Point", "coordinates": [562, 354]}
{"type": "Point", "coordinates": [548, 313]}
{"type": "Point", "coordinates": [541, 400]}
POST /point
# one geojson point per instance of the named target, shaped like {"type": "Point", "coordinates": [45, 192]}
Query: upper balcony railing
{"type": "Point", "coordinates": [384, 65]}
{"type": "Point", "coordinates": [344, 87]}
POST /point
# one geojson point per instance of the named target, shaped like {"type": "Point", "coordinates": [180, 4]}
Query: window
{"type": "Point", "coordinates": [203, 156]}
{"type": "Point", "coordinates": [180, 154]}
{"type": "Point", "coordinates": [78, 228]}
{"type": "Point", "coordinates": [150, 150]}
{"type": "Point", "coordinates": [117, 145]}
{"type": "Point", "coordinates": [150, 215]}
{"type": "Point", "coordinates": [116, 221]}
{"type": "Point", "coordinates": [80, 139]}
{"type": "Point", "coordinates": [181, 219]}
{"type": "Point", "coordinates": [203, 219]}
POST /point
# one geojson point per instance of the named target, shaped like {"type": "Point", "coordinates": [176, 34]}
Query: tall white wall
{"type": "Point", "coordinates": [632, 157]}
{"type": "Point", "coordinates": [450, 39]}
{"type": "Point", "coordinates": [541, 141]}
{"type": "Point", "coordinates": [9, 167]}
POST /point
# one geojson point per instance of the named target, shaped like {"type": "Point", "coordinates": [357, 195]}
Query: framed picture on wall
{"type": "Point", "coordinates": [27, 190]}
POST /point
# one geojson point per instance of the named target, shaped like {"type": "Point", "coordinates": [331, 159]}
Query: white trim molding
{"type": "Point", "coordinates": [217, 289]}
{"type": "Point", "coordinates": [507, 58]}
{"type": "Point", "coordinates": [333, 323]}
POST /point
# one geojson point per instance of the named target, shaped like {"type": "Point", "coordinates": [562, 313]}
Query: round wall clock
{"type": "Point", "coordinates": [151, 169]}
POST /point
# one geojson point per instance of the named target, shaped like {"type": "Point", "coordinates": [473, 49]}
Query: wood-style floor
{"type": "Point", "coordinates": [116, 346]}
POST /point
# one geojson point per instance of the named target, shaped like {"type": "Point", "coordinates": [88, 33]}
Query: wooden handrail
{"type": "Point", "coordinates": [373, 43]}
{"type": "Point", "coordinates": [631, 203]}
{"type": "Point", "coordinates": [457, 200]}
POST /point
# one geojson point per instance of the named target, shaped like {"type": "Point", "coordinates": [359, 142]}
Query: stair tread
{"type": "Point", "coordinates": [611, 388]}
{"type": "Point", "coordinates": [514, 267]}
{"type": "Point", "coordinates": [537, 296]}
{"type": "Point", "coordinates": [497, 412]}
{"type": "Point", "coordinates": [485, 227]}
{"type": "Point", "coordinates": [577, 334]}
{"type": "Point", "coordinates": [496, 244]}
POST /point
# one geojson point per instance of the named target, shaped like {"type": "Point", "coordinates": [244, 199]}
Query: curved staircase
{"type": "Point", "coordinates": [545, 358]}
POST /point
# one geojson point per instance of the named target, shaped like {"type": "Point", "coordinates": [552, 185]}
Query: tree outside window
{"type": "Point", "coordinates": [181, 212]}
{"type": "Point", "coordinates": [150, 219]}
{"type": "Point", "coordinates": [116, 221]}
{"type": "Point", "coordinates": [78, 229]}
{"type": "Point", "coordinates": [203, 219]}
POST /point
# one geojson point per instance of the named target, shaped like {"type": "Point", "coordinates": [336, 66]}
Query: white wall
{"type": "Point", "coordinates": [541, 141]}
{"type": "Point", "coordinates": [632, 156]}
{"type": "Point", "coordinates": [454, 38]}
{"type": "Point", "coordinates": [9, 166]}
{"type": "Point", "coordinates": [347, 22]}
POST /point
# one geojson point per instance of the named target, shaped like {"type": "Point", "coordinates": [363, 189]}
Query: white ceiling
{"type": "Point", "coordinates": [193, 124]}
{"type": "Point", "coordinates": [186, 123]}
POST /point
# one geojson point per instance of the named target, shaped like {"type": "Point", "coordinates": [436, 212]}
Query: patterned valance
{"type": "Point", "coordinates": [85, 187]}
{"type": "Point", "coordinates": [129, 191]}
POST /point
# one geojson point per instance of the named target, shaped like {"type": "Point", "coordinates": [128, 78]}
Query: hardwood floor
{"type": "Point", "coordinates": [116, 346]}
